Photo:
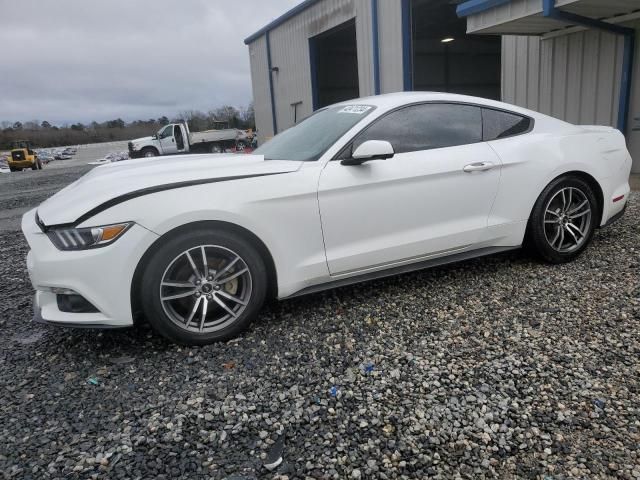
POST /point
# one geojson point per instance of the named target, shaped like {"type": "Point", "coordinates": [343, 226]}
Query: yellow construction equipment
{"type": "Point", "coordinates": [22, 156]}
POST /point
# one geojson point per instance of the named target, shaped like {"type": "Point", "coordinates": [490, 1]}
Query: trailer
{"type": "Point", "coordinates": [177, 139]}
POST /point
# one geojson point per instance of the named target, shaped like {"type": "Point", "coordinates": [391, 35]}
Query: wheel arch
{"type": "Point", "coordinates": [584, 176]}
{"type": "Point", "coordinates": [593, 183]}
{"type": "Point", "coordinates": [150, 147]}
{"type": "Point", "coordinates": [272, 287]}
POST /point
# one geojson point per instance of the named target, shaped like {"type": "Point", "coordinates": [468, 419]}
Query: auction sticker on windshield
{"type": "Point", "coordinates": [357, 109]}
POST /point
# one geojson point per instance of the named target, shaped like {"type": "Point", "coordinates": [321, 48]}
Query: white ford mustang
{"type": "Point", "coordinates": [359, 190]}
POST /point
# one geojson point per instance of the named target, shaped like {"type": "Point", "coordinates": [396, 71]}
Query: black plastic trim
{"type": "Point", "coordinates": [411, 267]}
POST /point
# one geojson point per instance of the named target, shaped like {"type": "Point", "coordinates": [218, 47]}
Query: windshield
{"type": "Point", "coordinates": [308, 140]}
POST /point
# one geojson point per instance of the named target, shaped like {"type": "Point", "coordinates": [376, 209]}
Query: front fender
{"type": "Point", "coordinates": [281, 211]}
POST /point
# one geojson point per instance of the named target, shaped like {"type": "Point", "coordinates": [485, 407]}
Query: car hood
{"type": "Point", "coordinates": [141, 140]}
{"type": "Point", "coordinates": [113, 180]}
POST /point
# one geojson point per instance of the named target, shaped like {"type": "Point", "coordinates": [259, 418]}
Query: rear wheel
{"type": "Point", "coordinates": [563, 220]}
{"type": "Point", "coordinates": [215, 148]}
{"type": "Point", "coordinates": [203, 286]}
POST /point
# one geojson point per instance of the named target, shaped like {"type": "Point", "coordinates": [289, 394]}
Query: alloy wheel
{"type": "Point", "coordinates": [205, 288]}
{"type": "Point", "coordinates": [567, 220]}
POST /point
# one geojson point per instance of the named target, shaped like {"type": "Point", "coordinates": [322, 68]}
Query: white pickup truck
{"type": "Point", "coordinates": [176, 138]}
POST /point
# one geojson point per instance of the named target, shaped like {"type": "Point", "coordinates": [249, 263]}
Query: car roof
{"type": "Point", "coordinates": [392, 100]}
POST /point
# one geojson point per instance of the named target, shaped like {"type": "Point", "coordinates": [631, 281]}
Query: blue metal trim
{"type": "Point", "coordinates": [375, 46]}
{"type": "Point", "coordinates": [280, 20]}
{"type": "Point", "coordinates": [271, 92]}
{"type": "Point", "coordinates": [476, 6]}
{"type": "Point", "coordinates": [407, 68]}
{"type": "Point", "coordinates": [625, 86]}
{"type": "Point", "coordinates": [313, 60]}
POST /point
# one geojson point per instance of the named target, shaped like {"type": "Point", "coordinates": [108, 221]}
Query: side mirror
{"type": "Point", "coordinates": [370, 150]}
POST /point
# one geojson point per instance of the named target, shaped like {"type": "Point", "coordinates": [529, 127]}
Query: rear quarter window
{"type": "Point", "coordinates": [498, 124]}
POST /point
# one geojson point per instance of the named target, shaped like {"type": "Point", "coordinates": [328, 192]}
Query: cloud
{"type": "Point", "coordinates": [81, 60]}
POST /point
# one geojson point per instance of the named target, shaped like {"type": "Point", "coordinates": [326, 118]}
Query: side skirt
{"type": "Point", "coordinates": [411, 267]}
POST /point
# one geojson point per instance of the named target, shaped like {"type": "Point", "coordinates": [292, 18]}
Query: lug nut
{"type": "Point", "coordinates": [198, 294]}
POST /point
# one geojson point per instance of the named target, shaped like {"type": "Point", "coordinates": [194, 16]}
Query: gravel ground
{"type": "Point", "coordinates": [497, 367]}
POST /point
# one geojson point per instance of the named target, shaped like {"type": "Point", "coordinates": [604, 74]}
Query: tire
{"type": "Point", "coordinates": [180, 319]}
{"type": "Point", "coordinates": [215, 148]}
{"type": "Point", "coordinates": [240, 146]}
{"type": "Point", "coordinates": [39, 165]}
{"type": "Point", "coordinates": [149, 152]}
{"type": "Point", "coordinates": [563, 220]}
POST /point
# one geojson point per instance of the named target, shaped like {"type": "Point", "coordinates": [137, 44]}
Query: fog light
{"type": "Point", "coordinates": [74, 303]}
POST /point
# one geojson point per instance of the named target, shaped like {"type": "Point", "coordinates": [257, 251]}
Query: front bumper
{"type": "Point", "coordinates": [37, 318]}
{"type": "Point", "coordinates": [102, 276]}
{"type": "Point", "coordinates": [134, 153]}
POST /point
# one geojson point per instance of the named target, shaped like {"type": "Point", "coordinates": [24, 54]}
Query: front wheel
{"type": "Point", "coordinates": [149, 152]}
{"type": "Point", "coordinates": [563, 220]}
{"type": "Point", "coordinates": [203, 286]}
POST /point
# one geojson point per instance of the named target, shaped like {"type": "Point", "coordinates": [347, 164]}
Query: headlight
{"type": "Point", "coordinates": [84, 238]}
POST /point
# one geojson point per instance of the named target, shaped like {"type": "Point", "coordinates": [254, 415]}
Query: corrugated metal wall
{"type": "Point", "coordinates": [390, 39]}
{"type": "Point", "coordinates": [573, 77]}
{"type": "Point", "coordinates": [260, 85]}
{"type": "Point", "coordinates": [290, 53]}
{"type": "Point", "coordinates": [633, 134]}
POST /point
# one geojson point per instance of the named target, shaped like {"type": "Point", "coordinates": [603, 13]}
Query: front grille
{"type": "Point", "coordinates": [18, 156]}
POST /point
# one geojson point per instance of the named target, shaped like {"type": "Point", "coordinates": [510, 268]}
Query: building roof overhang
{"type": "Point", "coordinates": [527, 17]}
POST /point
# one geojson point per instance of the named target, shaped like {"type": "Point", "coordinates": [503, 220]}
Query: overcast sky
{"type": "Point", "coordinates": [80, 60]}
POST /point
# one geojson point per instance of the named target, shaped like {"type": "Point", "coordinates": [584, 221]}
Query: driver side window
{"type": "Point", "coordinates": [167, 132]}
{"type": "Point", "coordinates": [425, 127]}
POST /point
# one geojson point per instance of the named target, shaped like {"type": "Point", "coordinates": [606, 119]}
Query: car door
{"type": "Point", "coordinates": [167, 141]}
{"type": "Point", "coordinates": [433, 197]}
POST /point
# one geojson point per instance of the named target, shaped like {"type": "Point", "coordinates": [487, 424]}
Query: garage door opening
{"type": "Point", "coordinates": [334, 65]}
{"type": "Point", "coordinates": [445, 59]}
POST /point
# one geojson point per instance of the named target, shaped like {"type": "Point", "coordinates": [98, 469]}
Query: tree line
{"type": "Point", "coordinates": [45, 134]}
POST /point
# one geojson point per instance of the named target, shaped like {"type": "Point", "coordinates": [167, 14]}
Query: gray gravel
{"type": "Point", "coordinates": [498, 367]}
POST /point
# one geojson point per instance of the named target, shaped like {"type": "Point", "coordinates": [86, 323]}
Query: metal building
{"type": "Point", "coordinates": [573, 59]}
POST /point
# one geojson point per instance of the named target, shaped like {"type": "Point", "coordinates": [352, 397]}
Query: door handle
{"type": "Point", "coordinates": [478, 167]}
